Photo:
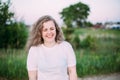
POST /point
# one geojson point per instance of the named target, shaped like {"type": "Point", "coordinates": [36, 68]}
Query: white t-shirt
{"type": "Point", "coordinates": [51, 63]}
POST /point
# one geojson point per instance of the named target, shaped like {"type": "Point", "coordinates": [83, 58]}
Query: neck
{"type": "Point", "coordinates": [49, 44]}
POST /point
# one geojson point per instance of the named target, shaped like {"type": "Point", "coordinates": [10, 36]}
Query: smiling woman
{"type": "Point", "coordinates": [49, 56]}
{"type": "Point", "coordinates": [49, 33]}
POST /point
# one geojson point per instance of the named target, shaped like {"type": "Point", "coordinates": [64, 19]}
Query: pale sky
{"type": "Point", "coordinates": [31, 10]}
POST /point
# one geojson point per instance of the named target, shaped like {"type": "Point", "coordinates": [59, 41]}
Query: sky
{"type": "Point", "coordinates": [31, 10]}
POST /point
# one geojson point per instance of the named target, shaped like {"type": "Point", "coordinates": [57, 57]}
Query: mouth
{"type": "Point", "coordinates": [50, 36]}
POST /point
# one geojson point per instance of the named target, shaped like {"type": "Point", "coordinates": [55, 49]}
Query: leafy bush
{"type": "Point", "coordinates": [76, 42]}
{"type": "Point", "coordinates": [68, 33]}
{"type": "Point", "coordinates": [88, 42]}
{"type": "Point", "coordinates": [71, 37]}
{"type": "Point", "coordinates": [13, 36]}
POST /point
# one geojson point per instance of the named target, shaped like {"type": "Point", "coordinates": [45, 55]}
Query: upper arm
{"type": "Point", "coordinates": [72, 73]}
{"type": "Point", "coordinates": [71, 62]}
{"type": "Point", "coordinates": [32, 59]}
{"type": "Point", "coordinates": [32, 75]}
{"type": "Point", "coordinates": [32, 64]}
{"type": "Point", "coordinates": [72, 69]}
{"type": "Point", "coordinates": [71, 58]}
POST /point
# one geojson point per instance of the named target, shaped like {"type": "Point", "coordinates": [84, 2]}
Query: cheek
{"type": "Point", "coordinates": [43, 34]}
{"type": "Point", "coordinates": [55, 33]}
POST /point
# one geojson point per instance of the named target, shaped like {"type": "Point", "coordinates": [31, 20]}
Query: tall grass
{"type": "Point", "coordinates": [89, 63]}
{"type": "Point", "coordinates": [13, 64]}
{"type": "Point", "coordinates": [103, 57]}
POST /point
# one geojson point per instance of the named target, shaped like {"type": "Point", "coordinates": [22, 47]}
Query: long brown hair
{"type": "Point", "coordinates": [35, 36]}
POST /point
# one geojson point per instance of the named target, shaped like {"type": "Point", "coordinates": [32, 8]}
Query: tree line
{"type": "Point", "coordinates": [14, 34]}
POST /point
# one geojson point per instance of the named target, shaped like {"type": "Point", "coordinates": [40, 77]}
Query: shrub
{"type": "Point", "coordinates": [68, 33]}
{"type": "Point", "coordinates": [72, 37]}
{"type": "Point", "coordinates": [76, 42]}
{"type": "Point", "coordinates": [13, 36]}
{"type": "Point", "coordinates": [88, 42]}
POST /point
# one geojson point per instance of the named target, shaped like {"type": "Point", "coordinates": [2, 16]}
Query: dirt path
{"type": "Point", "coordinates": [115, 76]}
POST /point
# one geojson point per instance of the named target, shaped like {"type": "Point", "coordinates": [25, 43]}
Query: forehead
{"type": "Point", "coordinates": [48, 24]}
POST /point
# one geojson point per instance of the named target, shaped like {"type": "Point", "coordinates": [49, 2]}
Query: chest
{"type": "Point", "coordinates": [51, 59]}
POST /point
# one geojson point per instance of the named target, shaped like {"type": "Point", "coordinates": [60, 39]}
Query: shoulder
{"type": "Point", "coordinates": [65, 44]}
{"type": "Point", "coordinates": [34, 48]}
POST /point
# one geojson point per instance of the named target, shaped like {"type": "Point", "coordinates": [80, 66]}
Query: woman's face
{"type": "Point", "coordinates": [49, 31]}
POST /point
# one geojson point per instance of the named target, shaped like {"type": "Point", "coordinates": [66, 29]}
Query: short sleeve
{"type": "Point", "coordinates": [71, 58]}
{"type": "Point", "coordinates": [32, 59]}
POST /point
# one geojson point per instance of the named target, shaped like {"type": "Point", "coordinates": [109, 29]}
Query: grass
{"type": "Point", "coordinates": [13, 64]}
{"type": "Point", "coordinates": [91, 63]}
{"type": "Point", "coordinates": [103, 58]}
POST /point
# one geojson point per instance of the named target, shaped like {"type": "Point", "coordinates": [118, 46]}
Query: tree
{"type": "Point", "coordinates": [75, 14]}
{"type": "Point", "coordinates": [5, 14]}
{"type": "Point", "coordinates": [12, 34]}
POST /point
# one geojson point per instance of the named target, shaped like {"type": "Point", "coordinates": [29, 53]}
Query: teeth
{"type": "Point", "coordinates": [49, 36]}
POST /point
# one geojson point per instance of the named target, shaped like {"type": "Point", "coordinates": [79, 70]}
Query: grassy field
{"type": "Point", "coordinates": [102, 58]}
{"type": "Point", "coordinates": [13, 64]}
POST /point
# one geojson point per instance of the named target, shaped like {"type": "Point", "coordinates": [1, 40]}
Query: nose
{"type": "Point", "coordinates": [48, 31]}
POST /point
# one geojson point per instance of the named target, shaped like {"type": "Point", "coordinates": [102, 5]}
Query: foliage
{"type": "Point", "coordinates": [88, 24]}
{"type": "Point", "coordinates": [68, 33]}
{"type": "Point", "coordinates": [13, 64]}
{"type": "Point", "coordinates": [5, 14]}
{"type": "Point", "coordinates": [97, 51]}
{"type": "Point", "coordinates": [88, 42]}
{"type": "Point", "coordinates": [104, 59]}
{"type": "Point", "coordinates": [94, 64]}
{"type": "Point", "coordinates": [76, 42]}
{"type": "Point", "coordinates": [102, 56]}
{"type": "Point", "coordinates": [73, 37]}
{"type": "Point", "coordinates": [14, 36]}
{"type": "Point", "coordinates": [77, 14]}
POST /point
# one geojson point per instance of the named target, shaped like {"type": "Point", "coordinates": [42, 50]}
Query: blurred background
{"type": "Point", "coordinates": [91, 26]}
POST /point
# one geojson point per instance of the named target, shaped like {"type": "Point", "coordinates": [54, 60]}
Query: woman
{"type": "Point", "coordinates": [49, 56]}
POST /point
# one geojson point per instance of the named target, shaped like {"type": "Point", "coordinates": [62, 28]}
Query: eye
{"type": "Point", "coordinates": [44, 30]}
{"type": "Point", "coordinates": [52, 28]}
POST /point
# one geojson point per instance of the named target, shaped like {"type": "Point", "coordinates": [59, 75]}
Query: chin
{"type": "Point", "coordinates": [50, 40]}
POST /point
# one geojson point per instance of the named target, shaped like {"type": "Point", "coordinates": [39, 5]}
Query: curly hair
{"type": "Point", "coordinates": [35, 36]}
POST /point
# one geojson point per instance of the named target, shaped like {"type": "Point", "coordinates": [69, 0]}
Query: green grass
{"type": "Point", "coordinates": [102, 58]}
{"type": "Point", "coordinates": [13, 64]}
{"type": "Point", "coordinates": [91, 63]}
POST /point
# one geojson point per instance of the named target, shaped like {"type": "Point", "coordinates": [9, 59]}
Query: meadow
{"type": "Point", "coordinates": [13, 64]}
{"type": "Point", "coordinates": [98, 53]}
{"type": "Point", "coordinates": [103, 54]}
